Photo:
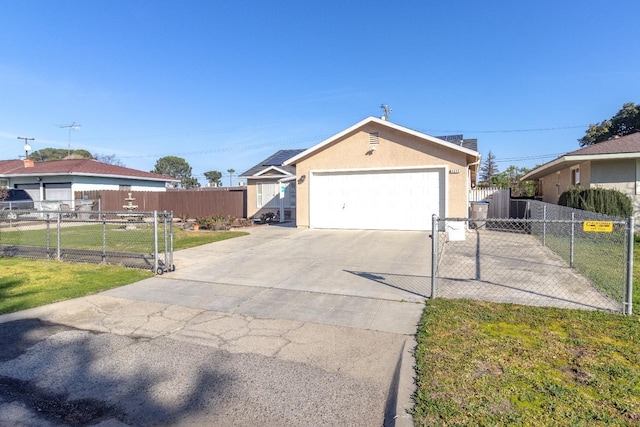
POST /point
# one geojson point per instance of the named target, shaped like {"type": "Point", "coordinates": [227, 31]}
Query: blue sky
{"type": "Point", "coordinates": [225, 84]}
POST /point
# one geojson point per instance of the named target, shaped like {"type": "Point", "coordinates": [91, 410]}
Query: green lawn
{"type": "Point", "coordinates": [484, 363]}
{"type": "Point", "coordinates": [27, 283]}
{"type": "Point", "coordinates": [118, 239]}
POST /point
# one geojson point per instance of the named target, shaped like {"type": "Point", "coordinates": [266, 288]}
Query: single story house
{"type": "Point", "coordinates": [58, 180]}
{"type": "Point", "coordinates": [613, 164]}
{"type": "Point", "coordinates": [271, 186]}
{"type": "Point", "coordinates": [383, 176]}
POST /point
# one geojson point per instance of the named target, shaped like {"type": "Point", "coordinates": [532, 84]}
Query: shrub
{"type": "Point", "coordinates": [600, 200]}
{"type": "Point", "coordinates": [216, 222]}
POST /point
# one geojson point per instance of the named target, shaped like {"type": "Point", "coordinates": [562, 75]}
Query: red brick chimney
{"type": "Point", "coordinates": [28, 163]}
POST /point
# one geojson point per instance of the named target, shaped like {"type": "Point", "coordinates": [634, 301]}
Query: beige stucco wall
{"type": "Point", "coordinates": [396, 149]}
{"type": "Point", "coordinates": [621, 175]}
{"type": "Point", "coordinates": [554, 184]}
{"type": "Point", "coordinates": [618, 175]}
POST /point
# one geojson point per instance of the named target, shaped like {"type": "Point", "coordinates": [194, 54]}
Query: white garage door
{"type": "Point", "coordinates": [33, 190]}
{"type": "Point", "coordinates": [376, 200]}
{"type": "Point", "coordinates": [58, 192]}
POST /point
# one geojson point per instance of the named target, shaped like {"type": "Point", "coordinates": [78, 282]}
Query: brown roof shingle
{"type": "Point", "coordinates": [624, 144]}
{"type": "Point", "coordinates": [77, 167]}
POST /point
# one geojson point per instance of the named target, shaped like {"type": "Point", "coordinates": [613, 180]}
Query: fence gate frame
{"type": "Point", "coordinates": [439, 227]}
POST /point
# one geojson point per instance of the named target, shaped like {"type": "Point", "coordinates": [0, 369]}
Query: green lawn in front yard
{"type": "Point", "coordinates": [481, 363]}
{"type": "Point", "coordinates": [118, 239]}
{"type": "Point", "coordinates": [27, 283]}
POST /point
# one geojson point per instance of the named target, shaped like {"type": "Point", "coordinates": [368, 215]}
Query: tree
{"type": "Point", "coordinates": [488, 169]}
{"type": "Point", "coordinates": [176, 167]}
{"type": "Point", "coordinates": [231, 171]}
{"type": "Point", "coordinates": [108, 159]}
{"type": "Point", "coordinates": [213, 177]}
{"type": "Point", "coordinates": [190, 182]}
{"type": "Point", "coordinates": [510, 178]}
{"type": "Point", "coordinates": [625, 122]}
{"type": "Point", "coordinates": [48, 154]}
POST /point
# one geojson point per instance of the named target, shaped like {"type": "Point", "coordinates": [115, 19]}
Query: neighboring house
{"type": "Point", "coordinates": [613, 164]}
{"type": "Point", "coordinates": [265, 182]}
{"type": "Point", "coordinates": [379, 175]}
{"type": "Point", "coordinates": [58, 180]}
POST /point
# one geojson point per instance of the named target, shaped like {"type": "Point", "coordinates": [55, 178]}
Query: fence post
{"type": "Point", "coordinates": [155, 241]}
{"type": "Point", "coordinates": [104, 238]}
{"type": "Point", "coordinates": [165, 230]}
{"type": "Point", "coordinates": [48, 221]}
{"type": "Point", "coordinates": [171, 266]}
{"type": "Point", "coordinates": [59, 251]}
{"type": "Point", "coordinates": [544, 226]}
{"type": "Point", "coordinates": [628, 303]}
{"type": "Point", "coordinates": [571, 243]}
{"type": "Point", "coordinates": [434, 254]}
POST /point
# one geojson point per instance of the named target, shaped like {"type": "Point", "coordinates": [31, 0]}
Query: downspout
{"type": "Point", "coordinates": [477, 162]}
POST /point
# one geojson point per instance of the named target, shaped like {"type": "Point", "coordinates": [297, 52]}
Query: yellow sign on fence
{"type": "Point", "coordinates": [598, 226]}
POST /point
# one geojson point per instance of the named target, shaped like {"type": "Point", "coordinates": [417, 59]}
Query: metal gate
{"type": "Point", "coordinates": [128, 238]}
{"type": "Point", "coordinates": [579, 262]}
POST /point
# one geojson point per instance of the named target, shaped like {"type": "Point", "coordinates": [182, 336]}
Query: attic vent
{"type": "Point", "coordinates": [374, 138]}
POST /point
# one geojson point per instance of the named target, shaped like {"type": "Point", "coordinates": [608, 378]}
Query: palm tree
{"type": "Point", "coordinates": [231, 171]}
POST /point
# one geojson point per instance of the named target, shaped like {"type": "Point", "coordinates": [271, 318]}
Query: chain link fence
{"type": "Point", "coordinates": [128, 238]}
{"type": "Point", "coordinates": [556, 257]}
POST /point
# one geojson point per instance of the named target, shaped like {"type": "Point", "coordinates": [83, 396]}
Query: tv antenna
{"type": "Point", "coordinates": [387, 111]}
{"type": "Point", "coordinates": [27, 147]}
{"type": "Point", "coordinates": [72, 126]}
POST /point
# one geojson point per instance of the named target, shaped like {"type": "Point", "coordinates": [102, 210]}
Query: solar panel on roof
{"type": "Point", "coordinates": [280, 157]}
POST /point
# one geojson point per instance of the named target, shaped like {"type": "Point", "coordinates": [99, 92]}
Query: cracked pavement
{"type": "Point", "coordinates": [313, 346]}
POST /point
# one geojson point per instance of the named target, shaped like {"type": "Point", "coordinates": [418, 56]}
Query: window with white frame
{"type": "Point", "coordinates": [575, 175]}
{"type": "Point", "coordinates": [269, 194]}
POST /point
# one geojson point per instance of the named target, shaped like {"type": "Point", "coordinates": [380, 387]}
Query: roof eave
{"type": "Point", "coordinates": [41, 174]}
{"type": "Point", "coordinates": [371, 119]}
{"type": "Point", "coordinates": [567, 161]}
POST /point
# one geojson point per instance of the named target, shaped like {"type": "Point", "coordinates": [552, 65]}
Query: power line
{"type": "Point", "coordinates": [510, 130]}
{"type": "Point", "coordinates": [524, 158]}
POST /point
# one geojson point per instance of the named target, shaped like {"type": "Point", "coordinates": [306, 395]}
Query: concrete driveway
{"type": "Point", "coordinates": [282, 327]}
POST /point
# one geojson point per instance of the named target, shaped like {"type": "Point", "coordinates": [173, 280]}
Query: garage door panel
{"type": "Point", "coordinates": [383, 200]}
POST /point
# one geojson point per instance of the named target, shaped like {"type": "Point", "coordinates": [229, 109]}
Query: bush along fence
{"type": "Point", "coordinates": [563, 259]}
{"type": "Point", "coordinates": [129, 238]}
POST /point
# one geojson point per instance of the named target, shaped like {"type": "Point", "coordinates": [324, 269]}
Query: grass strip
{"type": "Point", "coordinates": [482, 363]}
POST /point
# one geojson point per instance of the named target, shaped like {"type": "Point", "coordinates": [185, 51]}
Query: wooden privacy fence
{"type": "Point", "coordinates": [195, 203]}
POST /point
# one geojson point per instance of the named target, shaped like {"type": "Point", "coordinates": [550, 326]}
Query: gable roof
{"type": "Point", "coordinates": [81, 167]}
{"type": "Point", "coordinates": [624, 147]}
{"type": "Point", "coordinates": [273, 163]}
{"type": "Point", "coordinates": [309, 152]}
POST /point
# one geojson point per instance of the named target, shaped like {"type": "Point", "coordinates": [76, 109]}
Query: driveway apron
{"type": "Point", "coordinates": [361, 279]}
{"type": "Point", "coordinates": [282, 327]}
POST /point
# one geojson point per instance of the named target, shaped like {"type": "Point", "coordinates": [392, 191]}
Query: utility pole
{"type": "Point", "coordinates": [73, 126]}
{"type": "Point", "coordinates": [27, 147]}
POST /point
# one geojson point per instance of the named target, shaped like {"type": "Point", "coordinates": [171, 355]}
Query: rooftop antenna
{"type": "Point", "coordinates": [387, 111]}
{"type": "Point", "coordinates": [73, 126]}
{"type": "Point", "coordinates": [27, 147]}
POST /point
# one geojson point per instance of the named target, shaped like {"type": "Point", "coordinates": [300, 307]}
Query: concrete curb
{"type": "Point", "coordinates": [406, 386]}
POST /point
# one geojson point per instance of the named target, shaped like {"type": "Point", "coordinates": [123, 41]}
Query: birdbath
{"type": "Point", "coordinates": [131, 217]}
